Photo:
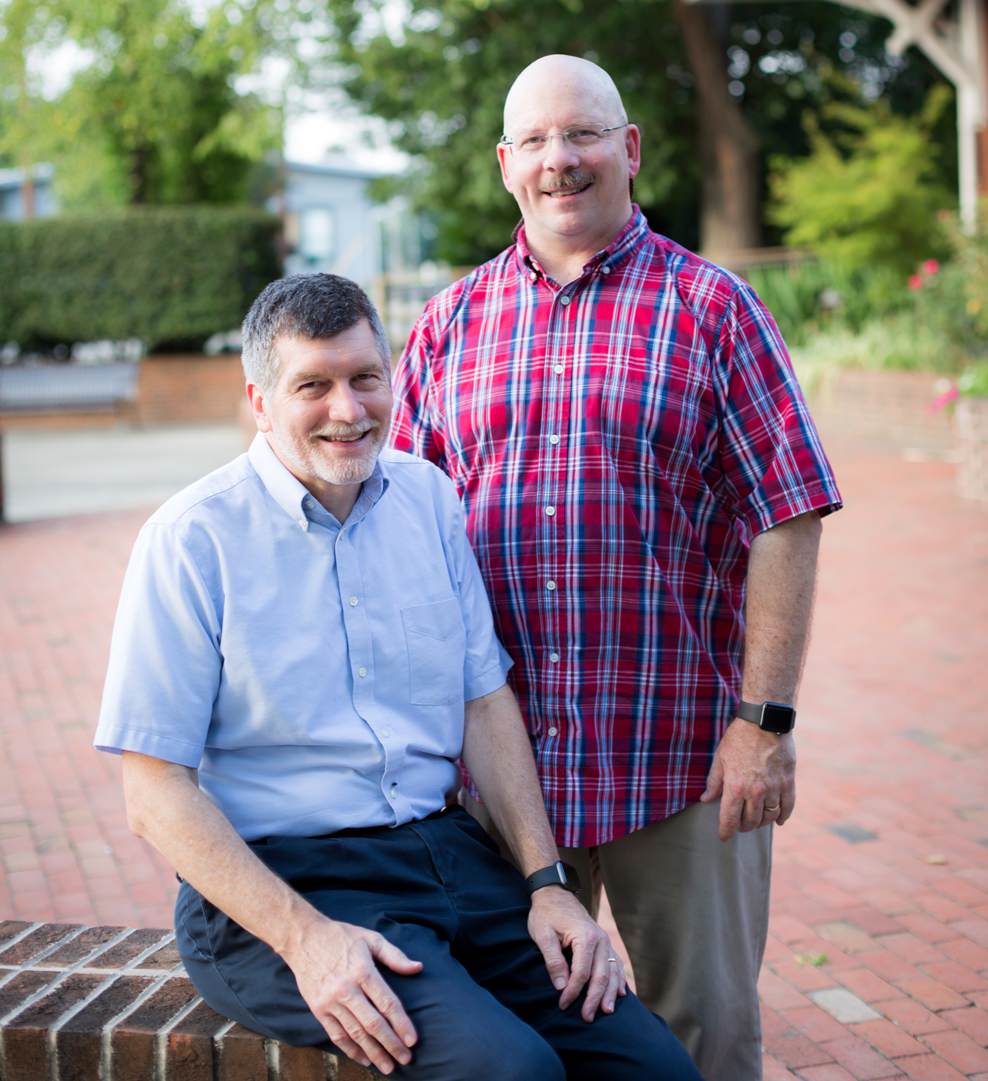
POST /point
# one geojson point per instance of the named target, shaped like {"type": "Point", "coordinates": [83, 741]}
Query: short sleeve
{"type": "Point", "coordinates": [487, 663]}
{"type": "Point", "coordinates": [773, 462]}
{"type": "Point", "coordinates": [164, 666]}
{"type": "Point", "coordinates": [414, 428]}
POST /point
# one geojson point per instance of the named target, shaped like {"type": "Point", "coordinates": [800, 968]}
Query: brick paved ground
{"type": "Point", "coordinates": [877, 964]}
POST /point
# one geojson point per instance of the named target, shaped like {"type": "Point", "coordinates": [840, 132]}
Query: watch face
{"type": "Point", "coordinates": [570, 879]}
{"type": "Point", "coordinates": [777, 718]}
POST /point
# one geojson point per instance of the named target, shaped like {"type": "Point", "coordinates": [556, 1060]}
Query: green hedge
{"type": "Point", "coordinates": [170, 276]}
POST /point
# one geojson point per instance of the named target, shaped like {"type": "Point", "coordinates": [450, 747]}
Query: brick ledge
{"type": "Point", "coordinates": [82, 1003]}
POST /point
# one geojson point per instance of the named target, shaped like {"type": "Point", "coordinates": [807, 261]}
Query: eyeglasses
{"type": "Point", "coordinates": [537, 141]}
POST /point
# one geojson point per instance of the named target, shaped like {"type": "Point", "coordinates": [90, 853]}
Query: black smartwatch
{"type": "Point", "coordinates": [556, 874]}
{"type": "Point", "coordinates": [774, 717]}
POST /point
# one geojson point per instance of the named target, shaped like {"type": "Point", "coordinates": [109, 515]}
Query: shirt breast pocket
{"type": "Point", "coordinates": [435, 640]}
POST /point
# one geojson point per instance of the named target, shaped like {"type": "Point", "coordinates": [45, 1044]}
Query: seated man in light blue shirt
{"type": "Point", "coordinates": [303, 650]}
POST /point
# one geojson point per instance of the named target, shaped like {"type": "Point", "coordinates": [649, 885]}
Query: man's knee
{"type": "Point", "coordinates": [515, 1053]}
{"type": "Point", "coordinates": [529, 1059]}
{"type": "Point", "coordinates": [630, 1044]}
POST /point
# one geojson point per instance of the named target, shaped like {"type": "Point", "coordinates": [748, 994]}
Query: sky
{"type": "Point", "coordinates": [317, 127]}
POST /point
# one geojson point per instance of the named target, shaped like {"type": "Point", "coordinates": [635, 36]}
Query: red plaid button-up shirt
{"type": "Point", "coordinates": [616, 442]}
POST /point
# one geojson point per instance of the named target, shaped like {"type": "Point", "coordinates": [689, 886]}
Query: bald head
{"type": "Point", "coordinates": [571, 76]}
{"type": "Point", "coordinates": [568, 158]}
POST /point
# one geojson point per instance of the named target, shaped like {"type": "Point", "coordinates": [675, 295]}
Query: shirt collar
{"type": "Point", "coordinates": [629, 238]}
{"type": "Point", "coordinates": [295, 499]}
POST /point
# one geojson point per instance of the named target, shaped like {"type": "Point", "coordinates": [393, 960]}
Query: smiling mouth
{"type": "Point", "coordinates": [348, 439]}
{"type": "Point", "coordinates": [565, 193]}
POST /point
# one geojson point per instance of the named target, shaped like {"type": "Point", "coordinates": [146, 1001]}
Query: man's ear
{"type": "Point", "coordinates": [503, 153]}
{"type": "Point", "coordinates": [256, 397]}
{"type": "Point", "coordinates": [633, 147]}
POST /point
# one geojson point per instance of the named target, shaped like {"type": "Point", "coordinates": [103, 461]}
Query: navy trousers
{"type": "Point", "coordinates": [483, 1005]}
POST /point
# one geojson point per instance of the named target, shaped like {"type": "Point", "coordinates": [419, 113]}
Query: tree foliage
{"type": "Point", "coordinates": [867, 196]}
{"type": "Point", "coordinates": [439, 75]}
{"type": "Point", "coordinates": [155, 114]}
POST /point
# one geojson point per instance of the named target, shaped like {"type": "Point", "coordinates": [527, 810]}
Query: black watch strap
{"type": "Point", "coordinates": [556, 874]}
{"type": "Point", "coordinates": [774, 717]}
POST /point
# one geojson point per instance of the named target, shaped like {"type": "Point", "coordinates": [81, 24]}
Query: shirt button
{"type": "Point", "coordinates": [553, 439]}
{"type": "Point", "coordinates": [550, 585]}
{"type": "Point", "coordinates": [353, 602]}
{"type": "Point", "coordinates": [361, 671]}
{"type": "Point", "coordinates": [554, 657]}
{"type": "Point", "coordinates": [534, 276]}
{"type": "Point", "coordinates": [385, 732]}
{"type": "Point", "coordinates": [559, 369]}
{"type": "Point", "coordinates": [564, 299]}
{"type": "Point", "coordinates": [553, 731]}
{"type": "Point", "coordinates": [605, 270]}
{"type": "Point", "coordinates": [550, 511]}
{"type": "Point", "coordinates": [394, 789]}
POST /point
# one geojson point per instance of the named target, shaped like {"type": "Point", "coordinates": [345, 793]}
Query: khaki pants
{"type": "Point", "coordinates": [693, 913]}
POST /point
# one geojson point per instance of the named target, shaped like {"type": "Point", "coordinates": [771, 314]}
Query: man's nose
{"type": "Point", "coordinates": [559, 155]}
{"type": "Point", "coordinates": [344, 405]}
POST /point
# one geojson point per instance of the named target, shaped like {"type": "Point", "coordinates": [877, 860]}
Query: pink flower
{"type": "Point", "coordinates": [915, 281]}
{"type": "Point", "coordinates": [941, 400]}
{"type": "Point", "coordinates": [930, 267]}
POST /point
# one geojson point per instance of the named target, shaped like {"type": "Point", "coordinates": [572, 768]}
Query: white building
{"type": "Point", "coordinates": [332, 223]}
{"type": "Point", "coordinates": [12, 193]}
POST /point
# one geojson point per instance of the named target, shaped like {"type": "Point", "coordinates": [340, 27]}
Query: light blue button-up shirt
{"type": "Point", "coordinates": [314, 673]}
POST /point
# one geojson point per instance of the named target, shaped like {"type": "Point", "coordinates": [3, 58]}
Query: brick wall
{"type": "Point", "coordinates": [113, 1004]}
{"type": "Point", "coordinates": [170, 390]}
{"type": "Point", "coordinates": [887, 409]}
{"type": "Point", "coordinates": [180, 390]}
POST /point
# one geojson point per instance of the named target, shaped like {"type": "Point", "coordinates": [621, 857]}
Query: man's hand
{"type": "Point", "coordinates": [754, 773]}
{"type": "Point", "coordinates": [335, 966]}
{"type": "Point", "coordinates": [558, 920]}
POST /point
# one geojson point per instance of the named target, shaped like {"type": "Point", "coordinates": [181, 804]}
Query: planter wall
{"type": "Point", "coordinates": [887, 409]}
{"type": "Point", "coordinates": [189, 389]}
{"type": "Point", "coordinates": [971, 420]}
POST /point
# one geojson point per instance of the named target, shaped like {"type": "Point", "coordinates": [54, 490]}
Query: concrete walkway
{"type": "Point", "coordinates": [54, 473]}
{"type": "Point", "coordinates": [877, 964]}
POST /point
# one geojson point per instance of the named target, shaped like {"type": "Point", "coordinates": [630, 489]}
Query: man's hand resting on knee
{"type": "Point", "coordinates": [336, 967]}
{"type": "Point", "coordinates": [559, 921]}
{"type": "Point", "coordinates": [335, 964]}
{"type": "Point", "coordinates": [498, 755]}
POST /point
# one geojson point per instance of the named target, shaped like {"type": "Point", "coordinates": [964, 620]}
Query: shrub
{"type": "Point", "coordinates": [896, 341]}
{"type": "Point", "coordinates": [811, 297]}
{"type": "Point", "coordinates": [169, 276]}
{"type": "Point", "coordinates": [869, 197]}
{"type": "Point", "coordinates": [952, 298]}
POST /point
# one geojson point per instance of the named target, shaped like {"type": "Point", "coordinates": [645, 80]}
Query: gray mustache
{"type": "Point", "coordinates": [569, 182]}
{"type": "Point", "coordinates": [344, 433]}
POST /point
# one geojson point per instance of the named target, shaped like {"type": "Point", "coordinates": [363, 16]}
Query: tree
{"type": "Point", "coordinates": [156, 114]}
{"type": "Point", "coordinates": [716, 88]}
{"type": "Point", "coordinates": [869, 197]}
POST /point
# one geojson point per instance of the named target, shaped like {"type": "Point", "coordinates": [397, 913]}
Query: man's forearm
{"type": "Point", "coordinates": [498, 754]}
{"type": "Point", "coordinates": [335, 964]}
{"type": "Point", "coordinates": [780, 588]}
{"type": "Point", "coordinates": [753, 772]}
{"type": "Point", "coordinates": [166, 808]}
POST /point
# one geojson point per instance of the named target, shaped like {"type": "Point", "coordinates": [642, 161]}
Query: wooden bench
{"type": "Point", "coordinates": [113, 1004]}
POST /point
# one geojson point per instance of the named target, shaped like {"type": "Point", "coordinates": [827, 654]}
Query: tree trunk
{"type": "Point", "coordinates": [139, 180]}
{"type": "Point", "coordinates": [28, 200]}
{"type": "Point", "coordinates": [729, 212]}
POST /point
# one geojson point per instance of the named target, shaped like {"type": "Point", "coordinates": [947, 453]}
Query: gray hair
{"type": "Point", "coordinates": [309, 306]}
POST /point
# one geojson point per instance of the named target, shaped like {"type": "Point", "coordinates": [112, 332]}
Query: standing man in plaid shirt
{"type": "Point", "coordinates": [643, 488]}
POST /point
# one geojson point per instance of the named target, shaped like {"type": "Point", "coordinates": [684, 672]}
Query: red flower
{"type": "Point", "coordinates": [915, 281]}
{"type": "Point", "coordinates": [930, 267]}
